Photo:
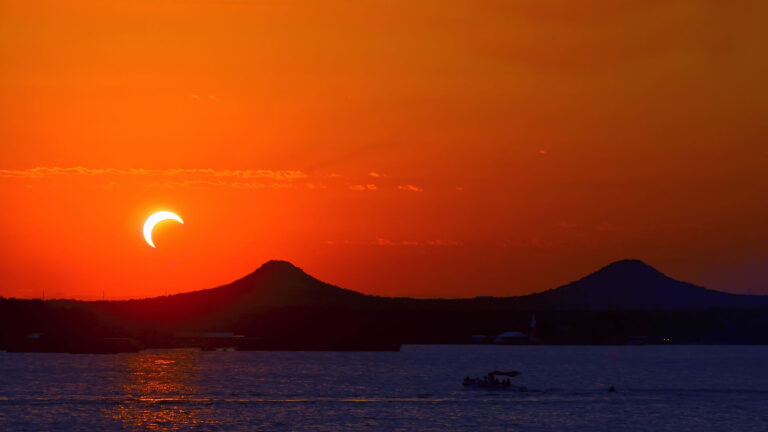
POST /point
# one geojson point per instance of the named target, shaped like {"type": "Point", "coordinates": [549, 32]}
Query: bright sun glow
{"type": "Point", "coordinates": [156, 218]}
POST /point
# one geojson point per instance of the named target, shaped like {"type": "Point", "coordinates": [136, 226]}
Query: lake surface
{"type": "Point", "coordinates": [675, 388]}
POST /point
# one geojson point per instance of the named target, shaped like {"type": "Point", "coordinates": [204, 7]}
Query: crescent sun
{"type": "Point", "coordinates": [155, 219]}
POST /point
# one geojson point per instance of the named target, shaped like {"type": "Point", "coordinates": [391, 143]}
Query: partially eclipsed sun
{"type": "Point", "coordinates": [155, 219]}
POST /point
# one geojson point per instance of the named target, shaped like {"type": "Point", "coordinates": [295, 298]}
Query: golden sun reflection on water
{"type": "Point", "coordinates": [161, 393]}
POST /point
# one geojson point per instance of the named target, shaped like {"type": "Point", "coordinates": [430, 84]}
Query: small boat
{"type": "Point", "coordinates": [491, 381]}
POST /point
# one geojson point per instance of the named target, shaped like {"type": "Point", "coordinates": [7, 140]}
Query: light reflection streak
{"type": "Point", "coordinates": [161, 392]}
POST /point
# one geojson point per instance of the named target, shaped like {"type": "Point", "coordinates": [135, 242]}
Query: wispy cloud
{"type": "Point", "coordinates": [205, 177]}
{"type": "Point", "coordinates": [380, 241]}
{"type": "Point", "coordinates": [360, 188]}
{"type": "Point", "coordinates": [42, 172]}
{"type": "Point", "coordinates": [221, 183]}
{"type": "Point", "coordinates": [445, 243]}
{"type": "Point", "coordinates": [168, 178]}
{"type": "Point", "coordinates": [311, 185]}
{"type": "Point", "coordinates": [385, 242]}
{"type": "Point", "coordinates": [410, 187]}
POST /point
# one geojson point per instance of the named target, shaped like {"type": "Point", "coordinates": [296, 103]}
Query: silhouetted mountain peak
{"type": "Point", "coordinates": [279, 269]}
{"type": "Point", "coordinates": [276, 272]}
{"type": "Point", "coordinates": [633, 284]}
{"type": "Point", "coordinates": [275, 284]}
{"type": "Point", "coordinates": [627, 270]}
{"type": "Point", "coordinates": [629, 264]}
{"type": "Point", "coordinates": [279, 265]}
{"type": "Point", "coordinates": [281, 282]}
{"type": "Point", "coordinates": [627, 282]}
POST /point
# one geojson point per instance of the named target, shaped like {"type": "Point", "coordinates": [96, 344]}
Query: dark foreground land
{"type": "Point", "coordinates": [279, 307]}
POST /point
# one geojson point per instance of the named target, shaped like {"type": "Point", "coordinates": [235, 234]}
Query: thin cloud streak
{"type": "Point", "coordinates": [195, 177]}
{"type": "Point", "coordinates": [42, 172]}
{"type": "Point", "coordinates": [208, 183]}
{"type": "Point", "coordinates": [380, 241]}
{"type": "Point", "coordinates": [360, 188]}
{"type": "Point", "coordinates": [410, 187]}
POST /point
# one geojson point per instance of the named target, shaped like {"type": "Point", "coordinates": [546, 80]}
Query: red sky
{"type": "Point", "coordinates": [431, 148]}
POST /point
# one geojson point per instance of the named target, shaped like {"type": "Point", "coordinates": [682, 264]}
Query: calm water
{"type": "Point", "coordinates": [697, 388]}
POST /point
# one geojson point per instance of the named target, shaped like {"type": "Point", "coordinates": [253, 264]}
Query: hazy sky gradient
{"type": "Point", "coordinates": [430, 148]}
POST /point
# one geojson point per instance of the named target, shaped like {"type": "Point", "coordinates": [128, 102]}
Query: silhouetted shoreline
{"type": "Point", "coordinates": [279, 307]}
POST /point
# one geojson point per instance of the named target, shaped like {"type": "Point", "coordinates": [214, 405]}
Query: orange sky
{"type": "Point", "coordinates": [431, 148]}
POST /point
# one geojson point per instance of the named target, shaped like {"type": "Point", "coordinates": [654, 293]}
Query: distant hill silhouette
{"type": "Point", "coordinates": [634, 285]}
{"type": "Point", "coordinates": [279, 306]}
{"type": "Point", "coordinates": [622, 285]}
{"type": "Point", "coordinates": [276, 284]}
{"type": "Point", "coordinates": [280, 283]}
